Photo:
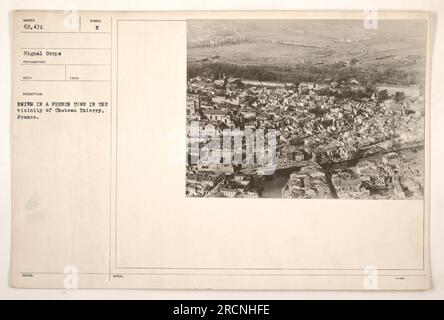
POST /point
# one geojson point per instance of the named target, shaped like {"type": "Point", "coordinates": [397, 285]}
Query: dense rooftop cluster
{"type": "Point", "coordinates": [325, 123]}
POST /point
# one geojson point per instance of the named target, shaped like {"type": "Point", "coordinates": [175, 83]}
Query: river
{"type": "Point", "coordinates": [274, 183]}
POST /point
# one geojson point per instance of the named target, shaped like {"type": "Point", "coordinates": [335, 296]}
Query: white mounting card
{"type": "Point", "coordinates": [221, 150]}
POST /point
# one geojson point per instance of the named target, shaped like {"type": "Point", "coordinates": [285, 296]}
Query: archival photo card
{"type": "Point", "coordinates": [245, 150]}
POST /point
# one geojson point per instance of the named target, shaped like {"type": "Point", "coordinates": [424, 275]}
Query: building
{"type": "Point", "coordinates": [228, 192]}
{"type": "Point", "coordinates": [219, 100]}
{"type": "Point", "coordinates": [411, 91]}
{"type": "Point", "coordinates": [218, 115]}
{"type": "Point", "coordinates": [298, 155]}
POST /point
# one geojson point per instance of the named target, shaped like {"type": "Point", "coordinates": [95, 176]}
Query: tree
{"type": "Point", "coordinates": [399, 96]}
{"type": "Point", "coordinates": [382, 95]}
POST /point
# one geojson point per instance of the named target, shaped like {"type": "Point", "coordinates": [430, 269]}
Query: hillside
{"type": "Point", "coordinates": [290, 44]}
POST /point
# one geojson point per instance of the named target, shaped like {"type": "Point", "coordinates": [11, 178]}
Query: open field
{"type": "Point", "coordinates": [398, 44]}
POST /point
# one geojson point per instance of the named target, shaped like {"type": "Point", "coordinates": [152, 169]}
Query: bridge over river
{"type": "Point", "coordinates": [272, 169]}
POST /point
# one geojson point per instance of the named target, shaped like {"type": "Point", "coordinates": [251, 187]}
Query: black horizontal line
{"type": "Point", "coordinates": [277, 269]}
{"type": "Point", "coordinates": [228, 274]}
{"type": "Point", "coordinates": [152, 20]}
{"type": "Point", "coordinates": [73, 32]}
{"type": "Point", "coordinates": [62, 80]}
{"type": "Point", "coordinates": [65, 64]}
{"type": "Point", "coordinates": [65, 48]}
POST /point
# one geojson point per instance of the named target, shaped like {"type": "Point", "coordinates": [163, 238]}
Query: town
{"type": "Point", "coordinates": [334, 139]}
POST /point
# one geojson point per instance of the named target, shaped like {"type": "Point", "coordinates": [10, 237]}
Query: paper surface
{"type": "Point", "coordinates": [105, 194]}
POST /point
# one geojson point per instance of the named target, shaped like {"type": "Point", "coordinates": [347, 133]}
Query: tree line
{"type": "Point", "coordinates": [308, 72]}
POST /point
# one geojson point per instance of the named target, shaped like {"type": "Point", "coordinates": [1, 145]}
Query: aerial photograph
{"type": "Point", "coordinates": [306, 109]}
